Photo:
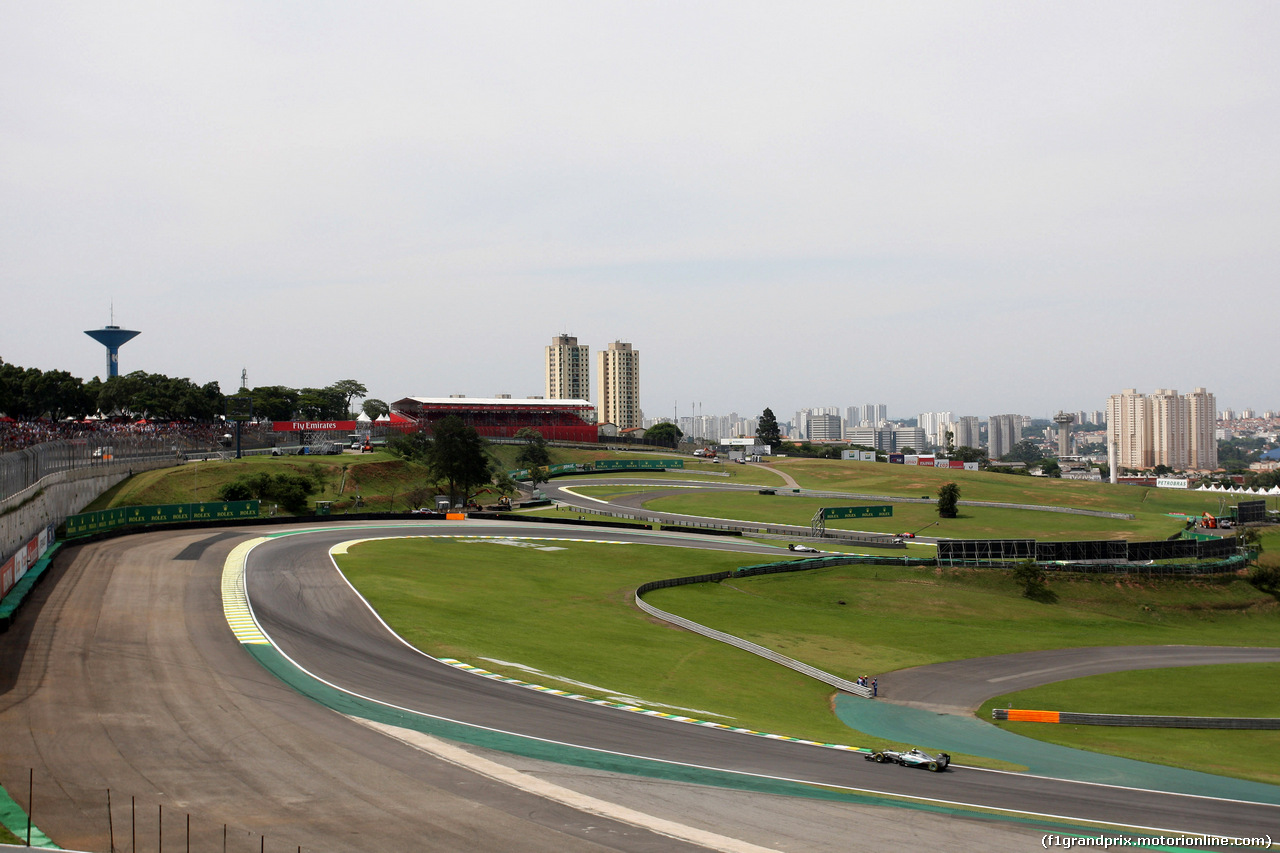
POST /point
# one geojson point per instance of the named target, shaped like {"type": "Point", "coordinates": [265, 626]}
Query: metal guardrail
{"type": "Point", "coordinates": [748, 646]}
{"type": "Point", "coordinates": [835, 681]}
{"type": "Point", "coordinates": [792, 532]}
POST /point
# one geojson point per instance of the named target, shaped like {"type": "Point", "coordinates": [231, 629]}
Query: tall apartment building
{"type": "Point", "coordinates": [965, 432]}
{"type": "Point", "coordinates": [1129, 430]}
{"type": "Point", "coordinates": [875, 414]}
{"type": "Point", "coordinates": [618, 385]}
{"type": "Point", "coordinates": [1164, 428]}
{"type": "Point", "coordinates": [933, 425]}
{"type": "Point", "coordinates": [1170, 429]}
{"type": "Point", "coordinates": [1202, 444]}
{"type": "Point", "coordinates": [1003, 432]}
{"type": "Point", "coordinates": [568, 369]}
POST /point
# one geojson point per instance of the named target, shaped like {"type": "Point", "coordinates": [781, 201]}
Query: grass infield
{"type": "Point", "coordinates": [565, 618]}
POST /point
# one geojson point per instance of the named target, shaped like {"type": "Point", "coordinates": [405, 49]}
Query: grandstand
{"type": "Point", "coordinates": [557, 420]}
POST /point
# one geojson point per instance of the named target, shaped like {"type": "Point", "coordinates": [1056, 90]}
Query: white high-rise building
{"type": "Point", "coordinates": [1164, 428]}
{"type": "Point", "coordinates": [618, 386]}
{"type": "Point", "coordinates": [932, 424]}
{"type": "Point", "coordinates": [568, 369]}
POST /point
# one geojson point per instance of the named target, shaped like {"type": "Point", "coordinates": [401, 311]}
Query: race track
{"type": "Point", "coordinates": [124, 675]}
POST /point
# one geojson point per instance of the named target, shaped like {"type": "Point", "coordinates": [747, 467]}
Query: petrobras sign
{"type": "Point", "coordinates": [1172, 483]}
{"type": "Point", "coordinates": [866, 456]}
{"type": "Point", "coordinates": [312, 426]}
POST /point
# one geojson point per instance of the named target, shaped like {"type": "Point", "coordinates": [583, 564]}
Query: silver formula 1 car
{"type": "Point", "coordinates": [911, 758]}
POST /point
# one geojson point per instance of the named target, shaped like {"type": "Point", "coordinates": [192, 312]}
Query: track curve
{"type": "Point", "coordinates": [121, 674]}
{"type": "Point", "coordinates": [305, 606]}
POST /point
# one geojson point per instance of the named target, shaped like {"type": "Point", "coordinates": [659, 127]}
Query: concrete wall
{"type": "Point", "coordinates": [59, 495]}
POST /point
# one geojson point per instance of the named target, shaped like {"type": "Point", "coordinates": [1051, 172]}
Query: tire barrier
{"type": "Point", "coordinates": [1015, 715]}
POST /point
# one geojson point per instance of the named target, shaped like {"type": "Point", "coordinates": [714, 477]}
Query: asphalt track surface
{"type": "Point", "coordinates": [123, 675]}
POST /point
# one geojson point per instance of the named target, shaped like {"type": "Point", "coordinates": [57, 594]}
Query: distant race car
{"type": "Point", "coordinates": [803, 548]}
{"type": "Point", "coordinates": [911, 758]}
{"type": "Point", "coordinates": [907, 535]}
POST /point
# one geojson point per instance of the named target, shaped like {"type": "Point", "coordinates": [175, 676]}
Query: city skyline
{"type": "Point", "coordinates": [861, 204]}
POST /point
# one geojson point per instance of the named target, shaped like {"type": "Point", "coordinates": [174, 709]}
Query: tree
{"type": "Point", "coordinates": [275, 402]}
{"type": "Point", "coordinates": [1033, 579]}
{"type": "Point", "coordinates": [951, 442]}
{"type": "Point", "coordinates": [411, 447]}
{"type": "Point", "coordinates": [1051, 468]}
{"type": "Point", "coordinates": [374, 408]}
{"type": "Point", "coordinates": [767, 431]}
{"type": "Point", "coordinates": [322, 403]}
{"type": "Point", "coordinates": [948, 500]}
{"type": "Point", "coordinates": [534, 453]}
{"type": "Point", "coordinates": [909, 451]}
{"type": "Point", "coordinates": [349, 389]}
{"type": "Point", "coordinates": [664, 433]}
{"type": "Point", "coordinates": [1024, 451]}
{"type": "Point", "coordinates": [458, 456]}
{"type": "Point", "coordinates": [964, 453]}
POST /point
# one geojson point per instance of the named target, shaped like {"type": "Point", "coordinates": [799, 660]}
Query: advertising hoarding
{"type": "Point", "coordinates": [636, 464]}
{"type": "Point", "coordinates": [312, 426]}
{"type": "Point", "coordinates": [873, 511]}
{"type": "Point", "coordinates": [86, 523]}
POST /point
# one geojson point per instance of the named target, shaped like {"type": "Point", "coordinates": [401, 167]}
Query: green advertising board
{"type": "Point", "coordinates": [86, 523]}
{"type": "Point", "coordinates": [636, 464]}
{"type": "Point", "coordinates": [877, 511]}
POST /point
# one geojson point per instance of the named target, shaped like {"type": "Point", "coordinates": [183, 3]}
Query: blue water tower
{"type": "Point", "coordinates": [112, 337]}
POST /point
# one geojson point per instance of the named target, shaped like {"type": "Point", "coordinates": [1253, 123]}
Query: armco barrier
{"type": "Point", "coordinates": [1150, 721]}
{"type": "Point", "coordinates": [746, 645]}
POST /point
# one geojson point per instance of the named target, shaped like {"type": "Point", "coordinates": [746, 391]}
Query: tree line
{"type": "Point", "coordinates": [30, 393]}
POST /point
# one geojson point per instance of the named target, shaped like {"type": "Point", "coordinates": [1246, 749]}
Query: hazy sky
{"type": "Point", "coordinates": [976, 207]}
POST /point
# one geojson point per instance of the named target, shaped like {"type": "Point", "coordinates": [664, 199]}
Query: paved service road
{"type": "Point", "coordinates": [122, 674]}
{"type": "Point", "coordinates": [959, 687]}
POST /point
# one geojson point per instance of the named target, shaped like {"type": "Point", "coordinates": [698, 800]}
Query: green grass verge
{"type": "Point", "coordinates": [882, 478]}
{"type": "Point", "coordinates": [973, 522]}
{"type": "Point", "coordinates": [1227, 690]}
{"type": "Point", "coordinates": [567, 613]}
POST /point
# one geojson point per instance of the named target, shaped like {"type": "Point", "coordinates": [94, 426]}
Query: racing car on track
{"type": "Point", "coordinates": [911, 758]}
